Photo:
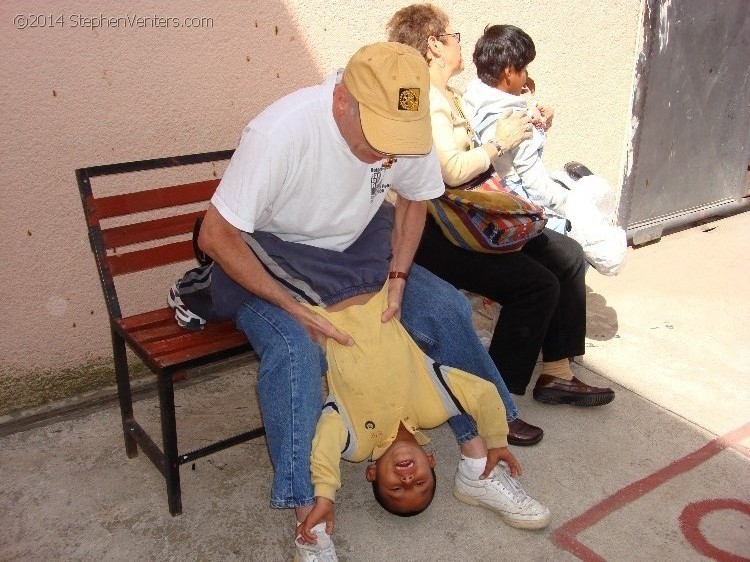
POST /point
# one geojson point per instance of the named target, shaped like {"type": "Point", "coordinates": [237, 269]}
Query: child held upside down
{"type": "Point", "coordinates": [382, 391]}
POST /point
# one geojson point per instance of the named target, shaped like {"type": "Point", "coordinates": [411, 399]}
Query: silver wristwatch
{"type": "Point", "coordinates": [500, 149]}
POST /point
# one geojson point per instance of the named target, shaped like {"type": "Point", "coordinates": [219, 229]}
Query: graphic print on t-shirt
{"type": "Point", "coordinates": [376, 181]}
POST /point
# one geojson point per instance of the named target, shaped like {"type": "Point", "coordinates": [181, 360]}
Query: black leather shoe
{"type": "Point", "coordinates": [576, 170]}
{"type": "Point", "coordinates": [554, 390]}
{"type": "Point", "coordinates": [523, 434]}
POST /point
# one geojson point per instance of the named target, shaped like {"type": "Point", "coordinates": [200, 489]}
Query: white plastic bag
{"type": "Point", "coordinates": [590, 208]}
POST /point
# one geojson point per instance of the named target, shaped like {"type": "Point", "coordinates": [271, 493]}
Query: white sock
{"type": "Point", "coordinates": [472, 468]}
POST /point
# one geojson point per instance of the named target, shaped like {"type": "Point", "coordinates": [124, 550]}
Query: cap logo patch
{"type": "Point", "coordinates": [408, 99]}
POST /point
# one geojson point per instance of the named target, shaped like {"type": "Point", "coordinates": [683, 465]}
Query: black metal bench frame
{"type": "Point", "coordinates": [155, 336]}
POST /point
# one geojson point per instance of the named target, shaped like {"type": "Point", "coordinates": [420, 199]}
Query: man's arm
{"type": "Point", "coordinates": [408, 225]}
{"type": "Point", "coordinates": [223, 242]}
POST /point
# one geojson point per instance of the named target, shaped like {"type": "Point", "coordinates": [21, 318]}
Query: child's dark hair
{"type": "Point", "coordinates": [499, 47]}
{"type": "Point", "coordinates": [389, 509]}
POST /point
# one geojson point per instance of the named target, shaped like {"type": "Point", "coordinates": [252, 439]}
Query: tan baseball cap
{"type": "Point", "coordinates": [392, 85]}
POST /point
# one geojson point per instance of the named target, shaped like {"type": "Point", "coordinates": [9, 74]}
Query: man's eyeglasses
{"type": "Point", "coordinates": [456, 35]}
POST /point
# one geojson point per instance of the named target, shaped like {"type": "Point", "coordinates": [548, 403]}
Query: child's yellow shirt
{"type": "Point", "coordinates": [383, 380]}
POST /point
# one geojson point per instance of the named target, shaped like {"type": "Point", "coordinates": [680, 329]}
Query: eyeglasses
{"type": "Point", "coordinates": [456, 35]}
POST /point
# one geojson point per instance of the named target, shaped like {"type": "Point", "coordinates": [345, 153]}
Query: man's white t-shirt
{"type": "Point", "coordinates": [294, 176]}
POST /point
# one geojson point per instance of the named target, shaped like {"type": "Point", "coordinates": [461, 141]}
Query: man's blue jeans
{"type": "Point", "coordinates": [436, 315]}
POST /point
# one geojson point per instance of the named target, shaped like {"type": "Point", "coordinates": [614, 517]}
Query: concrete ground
{"type": "Point", "coordinates": [662, 473]}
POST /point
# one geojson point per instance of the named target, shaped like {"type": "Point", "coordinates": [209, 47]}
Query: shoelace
{"type": "Point", "coordinates": [502, 476]}
{"type": "Point", "coordinates": [326, 555]}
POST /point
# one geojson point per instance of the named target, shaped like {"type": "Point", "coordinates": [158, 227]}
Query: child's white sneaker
{"type": "Point", "coordinates": [504, 495]}
{"type": "Point", "coordinates": [323, 551]}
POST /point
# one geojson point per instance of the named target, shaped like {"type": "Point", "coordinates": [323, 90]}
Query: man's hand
{"type": "Point", "coordinates": [223, 242]}
{"type": "Point", "coordinates": [494, 456]}
{"type": "Point", "coordinates": [513, 128]}
{"type": "Point", "coordinates": [319, 328]}
{"type": "Point", "coordinates": [395, 296]}
{"type": "Point", "coordinates": [322, 511]}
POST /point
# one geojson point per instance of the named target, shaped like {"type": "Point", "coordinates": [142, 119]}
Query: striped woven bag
{"type": "Point", "coordinates": [485, 216]}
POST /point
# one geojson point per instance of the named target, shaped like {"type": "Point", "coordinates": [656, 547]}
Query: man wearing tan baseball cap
{"type": "Point", "coordinates": [391, 83]}
{"type": "Point", "coordinates": [311, 174]}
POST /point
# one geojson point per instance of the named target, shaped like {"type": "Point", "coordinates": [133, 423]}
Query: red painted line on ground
{"type": "Point", "coordinates": [690, 520]}
{"type": "Point", "coordinates": [564, 537]}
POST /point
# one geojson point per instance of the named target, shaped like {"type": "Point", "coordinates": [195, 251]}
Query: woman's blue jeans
{"type": "Point", "coordinates": [436, 315]}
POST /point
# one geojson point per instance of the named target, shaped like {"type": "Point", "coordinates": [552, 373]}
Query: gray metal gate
{"type": "Point", "coordinates": [691, 145]}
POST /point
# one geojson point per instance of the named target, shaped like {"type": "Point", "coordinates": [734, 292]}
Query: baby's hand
{"type": "Point", "coordinates": [538, 113]}
{"type": "Point", "coordinates": [547, 114]}
{"type": "Point", "coordinates": [494, 456]}
{"type": "Point", "coordinates": [537, 118]}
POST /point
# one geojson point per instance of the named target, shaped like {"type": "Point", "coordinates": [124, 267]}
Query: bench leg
{"type": "Point", "coordinates": [169, 439]}
{"type": "Point", "coordinates": [123, 391]}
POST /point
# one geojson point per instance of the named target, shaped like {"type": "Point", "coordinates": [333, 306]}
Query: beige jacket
{"type": "Point", "coordinates": [459, 161]}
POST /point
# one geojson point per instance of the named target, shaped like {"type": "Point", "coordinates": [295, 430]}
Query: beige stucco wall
{"type": "Point", "coordinates": [73, 97]}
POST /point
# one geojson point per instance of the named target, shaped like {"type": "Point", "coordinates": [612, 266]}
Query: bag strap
{"type": "Point", "coordinates": [200, 255]}
{"type": "Point", "coordinates": [477, 181]}
{"type": "Point", "coordinates": [473, 137]}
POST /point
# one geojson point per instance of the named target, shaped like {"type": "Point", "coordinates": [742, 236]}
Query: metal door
{"type": "Point", "coordinates": [691, 108]}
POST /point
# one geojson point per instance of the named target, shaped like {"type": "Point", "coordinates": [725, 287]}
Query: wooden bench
{"type": "Point", "coordinates": [155, 335]}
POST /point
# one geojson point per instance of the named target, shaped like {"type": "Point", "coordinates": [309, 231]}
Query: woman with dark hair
{"type": "Point", "coordinates": [502, 55]}
{"type": "Point", "coordinates": [541, 288]}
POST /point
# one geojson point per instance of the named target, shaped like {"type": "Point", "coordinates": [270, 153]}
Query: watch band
{"type": "Point", "coordinates": [500, 149]}
{"type": "Point", "coordinates": [398, 275]}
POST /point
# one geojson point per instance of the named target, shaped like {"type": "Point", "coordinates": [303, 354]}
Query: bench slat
{"type": "Point", "coordinates": [146, 231]}
{"type": "Point", "coordinates": [151, 199]}
{"type": "Point", "coordinates": [232, 341]}
{"type": "Point", "coordinates": [166, 330]}
{"type": "Point", "coordinates": [175, 337]}
{"type": "Point", "coordinates": [159, 336]}
{"type": "Point", "coordinates": [151, 257]}
{"type": "Point", "coordinates": [187, 338]}
{"type": "Point", "coordinates": [142, 321]}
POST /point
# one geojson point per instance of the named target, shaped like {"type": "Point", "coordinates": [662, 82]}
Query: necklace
{"type": "Point", "coordinates": [469, 131]}
{"type": "Point", "coordinates": [388, 162]}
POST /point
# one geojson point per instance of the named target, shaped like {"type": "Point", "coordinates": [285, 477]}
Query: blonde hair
{"type": "Point", "coordinates": [414, 24]}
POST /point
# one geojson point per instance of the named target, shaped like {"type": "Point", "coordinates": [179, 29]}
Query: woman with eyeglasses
{"type": "Point", "coordinates": [541, 288]}
{"type": "Point", "coordinates": [427, 29]}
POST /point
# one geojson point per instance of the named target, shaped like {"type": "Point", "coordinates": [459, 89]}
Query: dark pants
{"type": "Point", "coordinates": [541, 289]}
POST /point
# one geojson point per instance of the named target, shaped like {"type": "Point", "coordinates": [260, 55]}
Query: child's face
{"type": "Point", "coordinates": [516, 80]}
{"type": "Point", "coordinates": [403, 475]}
